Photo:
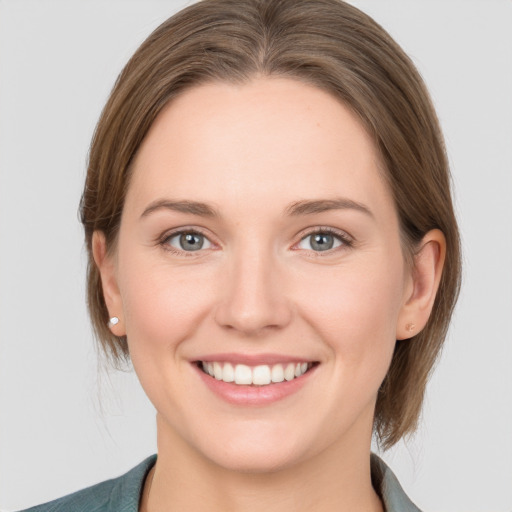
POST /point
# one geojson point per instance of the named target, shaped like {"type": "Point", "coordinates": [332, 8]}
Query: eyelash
{"type": "Point", "coordinates": [346, 240]}
{"type": "Point", "coordinates": [164, 241]}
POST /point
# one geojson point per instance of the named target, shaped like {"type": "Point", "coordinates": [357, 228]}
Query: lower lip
{"type": "Point", "coordinates": [254, 395]}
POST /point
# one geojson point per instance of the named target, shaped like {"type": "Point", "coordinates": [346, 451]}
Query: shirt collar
{"type": "Point", "coordinates": [128, 491]}
{"type": "Point", "coordinates": [389, 489]}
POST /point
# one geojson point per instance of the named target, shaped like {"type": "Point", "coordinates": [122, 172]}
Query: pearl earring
{"type": "Point", "coordinates": [113, 321]}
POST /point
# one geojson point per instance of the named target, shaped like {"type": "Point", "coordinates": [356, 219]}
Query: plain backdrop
{"type": "Point", "coordinates": [65, 420]}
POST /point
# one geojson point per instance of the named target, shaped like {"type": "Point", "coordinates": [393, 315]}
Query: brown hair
{"type": "Point", "coordinates": [336, 47]}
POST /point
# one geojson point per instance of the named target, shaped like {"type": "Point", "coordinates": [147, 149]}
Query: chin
{"type": "Point", "coordinates": [257, 448]}
{"type": "Point", "coordinates": [254, 460]}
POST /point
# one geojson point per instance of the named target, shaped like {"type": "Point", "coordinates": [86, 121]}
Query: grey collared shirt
{"type": "Point", "coordinates": [123, 494]}
{"type": "Point", "coordinates": [389, 489]}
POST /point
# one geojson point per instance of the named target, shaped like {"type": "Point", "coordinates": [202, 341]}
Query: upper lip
{"type": "Point", "coordinates": [254, 359]}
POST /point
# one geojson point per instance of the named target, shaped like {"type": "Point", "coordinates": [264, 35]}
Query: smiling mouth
{"type": "Point", "coordinates": [261, 375]}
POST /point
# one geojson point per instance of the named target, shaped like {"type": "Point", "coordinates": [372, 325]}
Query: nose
{"type": "Point", "coordinates": [253, 299]}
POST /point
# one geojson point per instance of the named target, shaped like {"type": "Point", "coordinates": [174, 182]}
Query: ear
{"type": "Point", "coordinates": [106, 267]}
{"type": "Point", "coordinates": [421, 291]}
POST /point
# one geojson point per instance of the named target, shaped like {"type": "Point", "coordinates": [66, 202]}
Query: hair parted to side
{"type": "Point", "coordinates": [329, 44]}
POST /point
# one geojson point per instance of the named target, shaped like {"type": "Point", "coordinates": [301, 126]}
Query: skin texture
{"type": "Point", "coordinates": [258, 287]}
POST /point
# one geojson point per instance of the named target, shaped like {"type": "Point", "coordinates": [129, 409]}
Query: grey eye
{"type": "Point", "coordinates": [320, 242]}
{"type": "Point", "coordinates": [189, 241]}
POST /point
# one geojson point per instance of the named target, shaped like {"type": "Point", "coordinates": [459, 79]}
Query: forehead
{"type": "Point", "coordinates": [271, 136]}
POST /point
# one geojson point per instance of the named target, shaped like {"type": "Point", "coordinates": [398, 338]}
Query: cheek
{"type": "Point", "coordinates": [356, 311]}
{"type": "Point", "coordinates": [162, 304]}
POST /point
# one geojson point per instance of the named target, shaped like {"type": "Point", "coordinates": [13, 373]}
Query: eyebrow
{"type": "Point", "coordinates": [324, 205]}
{"type": "Point", "coordinates": [191, 207]}
{"type": "Point", "coordinates": [297, 208]}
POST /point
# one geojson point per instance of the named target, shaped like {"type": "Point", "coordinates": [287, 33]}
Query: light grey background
{"type": "Point", "coordinates": [65, 422]}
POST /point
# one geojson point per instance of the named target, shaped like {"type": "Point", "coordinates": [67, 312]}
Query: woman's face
{"type": "Point", "coordinates": [259, 235]}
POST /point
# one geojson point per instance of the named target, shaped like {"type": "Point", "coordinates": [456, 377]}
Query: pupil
{"type": "Point", "coordinates": [322, 242]}
{"type": "Point", "coordinates": [191, 242]}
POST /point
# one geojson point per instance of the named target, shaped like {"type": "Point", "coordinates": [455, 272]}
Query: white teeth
{"type": "Point", "coordinates": [260, 375]}
{"type": "Point", "coordinates": [217, 371]}
{"type": "Point", "coordinates": [277, 373]}
{"type": "Point", "coordinates": [243, 374]}
{"type": "Point", "coordinates": [289, 373]}
{"type": "Point", "coordinates": [228, 373]}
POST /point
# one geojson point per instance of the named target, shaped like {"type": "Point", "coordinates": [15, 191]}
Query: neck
{"type": "Point", "coordinates": [338, 479]}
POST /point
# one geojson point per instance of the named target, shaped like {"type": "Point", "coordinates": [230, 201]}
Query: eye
{"type": "Point", "coordinates": [322, 241]}
{"type": "Point", "coordinates": [188, 241]}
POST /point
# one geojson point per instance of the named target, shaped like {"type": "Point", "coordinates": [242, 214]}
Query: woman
{"type": "Point", "coordinates": [272, 243]}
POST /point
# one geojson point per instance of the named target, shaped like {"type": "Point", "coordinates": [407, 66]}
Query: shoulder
{"type": "Point", "coordinates": [119, 494]}
{"type": "Point", "coordinates": [389, 489]}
